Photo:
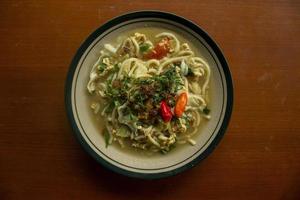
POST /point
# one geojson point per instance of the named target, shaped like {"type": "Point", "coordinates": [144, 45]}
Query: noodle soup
{"type": "Point", "coordinates": [149, 91]}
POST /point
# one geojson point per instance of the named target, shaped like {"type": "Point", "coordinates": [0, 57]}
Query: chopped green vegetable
{"type": "Point", "coordinates": [190, 72]}
{"type": "Point", "coordinates": [110, 107]}
{"type": "Point", "coordinates": [106, 137]}
{"type": "Point", "coordinates": [116, 68]}
{"type": "Point", "coordinates": [116, 103]}
{"type": "Point", "coordinates": [171, 147]}
{"type": "Point", "coordinates": [184, 68]}
{"type": "Point", "coordinates": [186, 119]}
{"type": "Point", "coordinates": [144, 47]}
{"type": "Point", "coordinates": [123, 132]}
{"type": "Point", "coordinates": [101, 67]}
{"type": "Point", "coordinates": [206, 111]}
{"type": "Point", "coordinates": [163, 151]}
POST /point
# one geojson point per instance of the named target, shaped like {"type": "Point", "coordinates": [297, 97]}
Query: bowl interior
{"type": "Point", "coordinates": [90, 127]}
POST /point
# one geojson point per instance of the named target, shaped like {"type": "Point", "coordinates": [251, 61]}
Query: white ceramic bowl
{"type": "Point", "coordinates": [133, 164]}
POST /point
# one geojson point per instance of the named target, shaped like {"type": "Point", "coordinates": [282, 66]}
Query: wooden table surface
{"type": "Point", "coordinates": [259, 157]}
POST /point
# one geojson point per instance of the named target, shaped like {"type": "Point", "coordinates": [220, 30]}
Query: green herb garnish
{"type": "Point", "coordinates": [190, 72]}
{"type": "Point", "coordinates": [101, 67]}
{"type": "Point", "coordinates": [144, 47]}
{"type": "Point", "coordinates": [116, 68]}
{"type": "Point", "coordinates": [106, 137]}
{"type": "Point", "coordinates": [110, 107]}
{"type": "Point", "coordinates": [165, 151]}
{"type": "Point", "coordinates": [123, 132]}
{"type": "Point", "coordinates": [206, 111]}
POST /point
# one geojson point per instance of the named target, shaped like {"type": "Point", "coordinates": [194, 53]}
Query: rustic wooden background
{"type": "Point", "coordinates": [259, 157]}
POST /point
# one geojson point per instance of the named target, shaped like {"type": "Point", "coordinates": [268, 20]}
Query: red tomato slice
{"type": "Point", "coordinates": [160, 50]}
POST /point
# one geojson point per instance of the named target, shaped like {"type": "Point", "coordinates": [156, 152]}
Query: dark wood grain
{"type": "Point", "coordinates": [259, 158]}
